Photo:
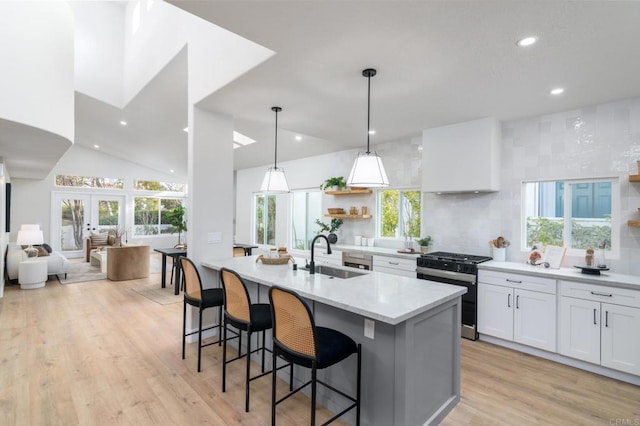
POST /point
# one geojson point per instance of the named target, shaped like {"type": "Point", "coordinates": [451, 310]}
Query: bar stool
{"type": "Point", "coordinates": [240, 313]}
{"type": "Point", "coordinates": [297, 340]}
{"type": "Point", "coordinates": [202, 299]}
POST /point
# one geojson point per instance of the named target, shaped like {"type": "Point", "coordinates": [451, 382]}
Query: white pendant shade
{"type": "Point", "coordinates": [368, 172]}
{"type": "Point", "coordinates": [274, 181]}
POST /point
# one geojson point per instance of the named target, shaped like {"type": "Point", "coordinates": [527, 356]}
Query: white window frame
{"type": "Point", "coordinates": [155, 195]}
{"type": "Point", "coordinates": [401, 222]}
{"type": "Point", "coordinates": [254, 204]}
{"type": "Point", "coordinates": [614, 251]}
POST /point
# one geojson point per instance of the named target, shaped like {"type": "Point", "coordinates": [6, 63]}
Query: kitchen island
{"type": "Point", "coordinates": [411, 359]}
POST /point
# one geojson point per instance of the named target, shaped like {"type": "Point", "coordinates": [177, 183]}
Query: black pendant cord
{"type": "Point", "coordinates": [275, 159]}
{"type": "Point", "coordinates": [369, 72]}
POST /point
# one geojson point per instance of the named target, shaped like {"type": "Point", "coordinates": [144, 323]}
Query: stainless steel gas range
{"type": "Point", "coordinates": [457, 269]}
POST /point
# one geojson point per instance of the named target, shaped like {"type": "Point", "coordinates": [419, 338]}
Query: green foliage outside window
{"type": "Point", "coordinates": [549, 231]}
{"type": "Point", "coordinates": [400, 213]}
{"type": "Point", "coordinates": [265, 220]}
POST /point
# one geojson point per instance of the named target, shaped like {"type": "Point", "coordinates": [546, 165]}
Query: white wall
{"type": "Point", "coordinates": [595, 141]}
{"type": "Point", "coordinates": [402, 163]}
{"type": "Point", "coordinates": [99, 50]}
{"type": "Point", "coordinates": [31, 199]}
{"type": "Point", "coordinates": [34, 37]}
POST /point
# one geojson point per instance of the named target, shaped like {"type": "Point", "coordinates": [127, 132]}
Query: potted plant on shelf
{"type": "Point", "coordinates": [424, 243]}
{"type": "Point", "coordinates": [331, 229]}
{"type": "Point", "coordinates": [334, 183]}
{"type": "Point", "coordinates": [176, 218]}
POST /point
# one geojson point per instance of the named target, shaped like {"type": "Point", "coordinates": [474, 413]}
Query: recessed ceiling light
{"type": "Point", "coordinates": [527, 41]}
{"type": "Point", "coordinates": [186, 129]}
{"type": "Point", "coordinates": [123, 123]}
{"type": "Point", "coordinates": [298, 137]}
{"type": "Point", "coordinates": [557, 91]}
{"type": "Point", "coordinates": [171, 171]}
{"type": "Point", "coordinates": [372, 132]}
{"type": "Point", "coordinates": [96, 146]}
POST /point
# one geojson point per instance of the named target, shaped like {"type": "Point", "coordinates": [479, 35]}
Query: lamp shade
{"type": "Point", "coordinates": [275, 181]}
{"type": "Point", "coordinates": [27, 227]}
{"type": "Point", "coordinates": [28, 237]}
{"type": "Point", "coordinates": [368, 171]}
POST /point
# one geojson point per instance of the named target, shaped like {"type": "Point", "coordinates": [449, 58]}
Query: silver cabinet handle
{"type": "Point", "coordinates": [513, 281]}
{"type": "Point", "coordinates": [594, 316]}
{"type": "Point", "coordinates": [509, 300]}
{"type": "Point", "coordinates": [606, 318]}
{"type": "Point", "coordinates": [518, 302]}
{"type": "Point", "coordinates": [394, 263]}
{"type": "Point", "coordinates": [595, 293]}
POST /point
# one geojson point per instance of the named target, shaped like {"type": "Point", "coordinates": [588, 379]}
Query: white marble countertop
{"type": "Point", "coordinates": [383, 297]}
{"type": "Point", "coordinates": [570, 274]}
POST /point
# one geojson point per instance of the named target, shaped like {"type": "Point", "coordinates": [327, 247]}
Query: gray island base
{"type": "Point", "coordinates": [411, 366]}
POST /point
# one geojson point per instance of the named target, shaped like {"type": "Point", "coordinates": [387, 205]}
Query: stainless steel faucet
{"type": "Point", "coordinates": [312, 264]}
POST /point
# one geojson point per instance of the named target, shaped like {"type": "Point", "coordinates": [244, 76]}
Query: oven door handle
{"type": "Point", "coordinates": [447, 274]}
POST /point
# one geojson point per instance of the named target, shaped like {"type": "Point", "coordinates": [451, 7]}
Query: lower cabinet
{"type": "Point", "coordinates": [510, 312]}
{"type": "Point", "coordinates": [395, 265]}
{"type": "Point", "coordinates": [600, 332]}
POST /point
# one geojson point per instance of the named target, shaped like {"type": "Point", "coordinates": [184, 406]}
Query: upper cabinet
{"type": "Point", "coordinates": [463, 157]}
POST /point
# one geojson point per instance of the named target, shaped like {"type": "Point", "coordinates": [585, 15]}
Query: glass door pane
{"type": "Point", "coordinates": [72, 220]}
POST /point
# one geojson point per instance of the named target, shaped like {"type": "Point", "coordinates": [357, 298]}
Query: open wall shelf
{"type": "Point", "coordinates": [349, 192]}
{"type": "Point", "coordinates": [349, 216]}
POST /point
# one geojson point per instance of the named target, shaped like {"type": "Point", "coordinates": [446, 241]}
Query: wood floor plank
{"type": "Point", "coordinates": [99, 353]}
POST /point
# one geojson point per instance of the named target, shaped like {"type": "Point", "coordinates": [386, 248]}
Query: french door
{"type": "Point", "coordinates": [76, 215]}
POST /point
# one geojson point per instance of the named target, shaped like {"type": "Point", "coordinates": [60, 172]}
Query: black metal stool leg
{"type": "Point", "coordinates": [246, 408]}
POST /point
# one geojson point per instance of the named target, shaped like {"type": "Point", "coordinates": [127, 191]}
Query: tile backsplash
{"type": "Point", "coordinates": [595, 141]}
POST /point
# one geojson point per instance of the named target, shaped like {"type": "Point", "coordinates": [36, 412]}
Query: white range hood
{"type": "Point", "coordinates": [463, 157]}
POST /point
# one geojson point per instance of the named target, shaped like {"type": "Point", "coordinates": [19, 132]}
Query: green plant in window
{"type": "Point", "coordinates": [544, 230]}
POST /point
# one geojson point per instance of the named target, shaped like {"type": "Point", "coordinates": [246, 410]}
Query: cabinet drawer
{"type": "Point", "coordinates": [526, 282]}
{"type": "Point", "coordinates": [601, 293]}
{"type": "Point", "coordinates": [393, 271]}
{"type": "Point", "coordinates": [404, 264]}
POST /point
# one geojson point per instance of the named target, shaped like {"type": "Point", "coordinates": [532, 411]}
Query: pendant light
{"type": "Point", "coordinates": [367, 170]}
{"type": "Point", "coordinates": [275, 182]}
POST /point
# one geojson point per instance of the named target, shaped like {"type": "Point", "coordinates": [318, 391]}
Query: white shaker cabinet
{"type": "Point", "coordinates": [600, 325]}
{"type": "Point", "coordinates": [509, 309]}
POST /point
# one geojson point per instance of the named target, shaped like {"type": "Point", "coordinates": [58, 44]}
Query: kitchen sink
{"type": "Point", "coordinates": [337, 272]}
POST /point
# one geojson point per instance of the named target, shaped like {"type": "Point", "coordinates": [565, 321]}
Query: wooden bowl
{"type": "Point", "coordinates": [335, 211]}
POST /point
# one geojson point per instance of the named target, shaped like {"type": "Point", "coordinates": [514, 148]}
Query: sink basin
{"type": "Point", "coordinates": [337, 272]}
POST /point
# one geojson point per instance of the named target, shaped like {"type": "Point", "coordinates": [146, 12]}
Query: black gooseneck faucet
{"type": "Point", "coordinates": [312, 265]}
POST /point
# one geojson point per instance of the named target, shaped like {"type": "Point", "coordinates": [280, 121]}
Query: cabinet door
{"type": "Point", "coordinates": [620, 344]}
{"type": "Point", "coordinates": [580, 329]}
{"type": "Point", "coordinates": [495, 311]}
{"type": "Point", "coordinates": [534, 319]}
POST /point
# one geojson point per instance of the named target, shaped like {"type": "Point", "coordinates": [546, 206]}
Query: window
{"type": "Point", "coordinates": [576, 214]}
{"type": "Point", "coordinates": [89, 182]}
{"type": "Point", "coordinates": [150, 215]}
{"type": "Point", "coordinates": [306, 207]}
{"type": "Point", "coordinates": [265, 219]}
{"type": "Point", "coordinates": [399, 213]}
{"type": "Point", "coordinates": [150, 185]}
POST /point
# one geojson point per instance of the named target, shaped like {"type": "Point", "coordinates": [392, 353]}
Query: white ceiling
{"type": "Point", "coordinates": [438, 62]}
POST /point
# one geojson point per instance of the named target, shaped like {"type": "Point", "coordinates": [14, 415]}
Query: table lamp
{"type": "Point", "coordinates": [28, 235]}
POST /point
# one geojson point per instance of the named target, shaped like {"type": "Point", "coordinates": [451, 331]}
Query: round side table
{"type": "Point", "coordinates": [32, 273]}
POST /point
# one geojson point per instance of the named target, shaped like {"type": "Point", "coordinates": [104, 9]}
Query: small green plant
{"type": "Point", "coordinates": [334, 181]}
{"type": "Point", "coordinates": [424, 241]}
{"type": "Point", "coordinates": [331, 228]}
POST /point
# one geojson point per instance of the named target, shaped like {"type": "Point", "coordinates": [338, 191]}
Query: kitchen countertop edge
{"type": "Point", "coordinates": [607, 278]}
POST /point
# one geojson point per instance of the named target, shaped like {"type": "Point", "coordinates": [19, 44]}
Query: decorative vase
{"type": "Point", "coordinates": [424, 249]}
{"type": "Point", "coordinates": [333, 238]}
{"type": "Point", "coordinates": [117, 241]}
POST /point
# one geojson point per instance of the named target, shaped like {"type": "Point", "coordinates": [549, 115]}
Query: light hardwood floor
{"type": "Point", "coordinates": [100, 353]}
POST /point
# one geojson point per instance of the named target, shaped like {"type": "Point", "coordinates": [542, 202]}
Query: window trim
{"type": "Point", "coordinates": [378, 209]}
{"type": "Point", "coordinates": [614, 252]}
